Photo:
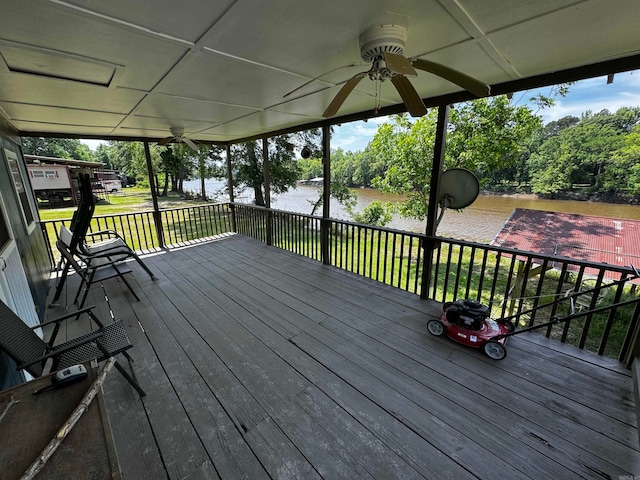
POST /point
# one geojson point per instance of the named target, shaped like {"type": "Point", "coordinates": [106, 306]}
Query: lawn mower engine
{"type": "Point", "coordinates": [467, 314]}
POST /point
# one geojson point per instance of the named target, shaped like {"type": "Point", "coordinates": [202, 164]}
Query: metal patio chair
{"type": "Point", "coordinates": [94, 260]}
{"type": "Point", "coordinates": [38, 357]}
{"type": "Point", "coordinates": [91, 269]}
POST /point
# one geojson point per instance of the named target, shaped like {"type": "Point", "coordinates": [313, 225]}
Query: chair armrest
{"type": "Point", "coordinates": [64, 317]}
{"type": "Point", "coordinates": [102, 233]}
{"type": "Point", "coordinates": [90, 338]}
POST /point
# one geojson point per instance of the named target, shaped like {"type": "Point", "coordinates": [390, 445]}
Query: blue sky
{"type": "Point", "coordinates": [593, 94]}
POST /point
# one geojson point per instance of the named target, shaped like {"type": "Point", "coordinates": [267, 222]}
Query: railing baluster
{"type": "Point", "coordinates": [418, 269]}
{"type": "Point", "coordinates": [467, 292]}
{"type": "Point", "coordinates": [483, 267]}
{"type": "Point", "coordinates": [458, 271]}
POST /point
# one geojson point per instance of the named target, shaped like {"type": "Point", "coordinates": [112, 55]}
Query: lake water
{"type": "Point", "coordinates": [480, 222]}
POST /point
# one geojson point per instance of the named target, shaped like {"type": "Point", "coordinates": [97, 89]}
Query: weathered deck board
{"type": "Point", "coordinates": [259, 363]}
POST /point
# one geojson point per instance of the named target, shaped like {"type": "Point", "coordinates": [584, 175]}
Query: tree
{"type": "Point", "coordinates": [310, 168]}
{"type": "Point", "coordinates": [408, 150]}
{"type": "Point", "coordinates": [376, 213]}
{"type": "Point", "coordinates": [488, 136]}
{"type": "Point", "coordinates": [341, 193]}
{"type": "Point", "coordinates": [587, 153]}
{"type": "Point", "coordinates": [69, 148]}
{"type": "Point", "coordinates": [208, 164]}
{"type": "Point", "coordinates": [622, 173]}
{"type": "Point", "coordinates": [283, 170]}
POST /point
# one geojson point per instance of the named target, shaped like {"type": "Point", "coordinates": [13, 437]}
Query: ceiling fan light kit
{"type": "Point", "coordinates": [177, 136]}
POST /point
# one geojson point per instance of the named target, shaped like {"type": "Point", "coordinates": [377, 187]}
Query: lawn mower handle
{"type": "Point", "coordinates": [577, 294]}
{"type": "Point", "coordinates": [555, 320]}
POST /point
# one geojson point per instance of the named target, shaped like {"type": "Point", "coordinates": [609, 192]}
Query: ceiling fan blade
{"type": "Point", "coordinates": [342, 95]}
{"type": "Point", "coordinates": [463, 80]}
{"type": "Point", "coordinates": [166, 140]}
{"type": "Point", "coordinates": [399, 64]}
{"type": "Point", "coordinates": [410, 97]}
{"type": "Point", "coordinates": [191, 144]}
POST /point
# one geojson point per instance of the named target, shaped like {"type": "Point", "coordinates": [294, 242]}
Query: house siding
{"type": "Point", "coordinates": [31, 245]}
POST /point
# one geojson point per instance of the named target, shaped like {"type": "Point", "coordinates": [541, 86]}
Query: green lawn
{"type": "Point", "coordinates": [133, 199]}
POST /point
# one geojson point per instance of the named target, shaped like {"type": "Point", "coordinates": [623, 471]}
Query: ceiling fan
{"type": "Point", "coordinates": [383, 47]}
{"type": "Point", "coordinates": [177, 137]}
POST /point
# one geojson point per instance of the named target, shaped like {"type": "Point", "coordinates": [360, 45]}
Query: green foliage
{"type": "Point", "coordinates": [341, 193]}
{"type": "Point", "coordinates": [407, 149]}
{"type": "Point", "coordinates": [598, 151]}
{"type": "Point", "coordinates": [69, 148]}
{"type": "Point", "coordinates": [283, 170]}
{"type": "Point", "coordinates": [487, 136]}
{"type": "Point", "coordinates": [310, 168]}
{"type": "Point", "coordinates": [376, 213]}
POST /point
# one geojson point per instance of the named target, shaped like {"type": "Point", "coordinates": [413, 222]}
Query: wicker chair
{"type": "Point", "coordinates": [38, 357]}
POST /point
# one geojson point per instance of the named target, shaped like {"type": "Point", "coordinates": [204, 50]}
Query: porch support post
{"type": "Point", "coordinates": [157, 218]}
{"type": "Point", "coordinates": [267, 189]}
{"type": "Point", "coordinates": [230, 188]}
{"type": "Point", "coordinates": [325, 224]}
{"type": "Point", "coordinates": [430, 243]}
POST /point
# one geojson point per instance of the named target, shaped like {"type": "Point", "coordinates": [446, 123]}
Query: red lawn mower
{"type": "Point", "coordinates": [468, 321]}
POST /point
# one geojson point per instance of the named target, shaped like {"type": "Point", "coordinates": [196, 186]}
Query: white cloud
{"type": "Point", "coordinates": [355, 136]}
{"type": "Point", "coordinates": [93, 144]}
{"type": "Point", "coordinates": [594, 94]}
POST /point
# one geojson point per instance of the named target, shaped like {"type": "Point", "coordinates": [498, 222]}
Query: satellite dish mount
{"type": "Point", "coordinates": [459, 188]}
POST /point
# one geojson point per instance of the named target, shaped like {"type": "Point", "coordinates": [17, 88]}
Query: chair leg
{"type": "Point", "coordinates": [121, 369]}
{"type": "Point", "coordinates": [130, 360]}
{"type": "Point", "coordinates": [126, 283]}
{"type": "Point", "coordinates": [87, 285]}
{"type": "Point", "coordinates": [129, 378]}
{"type": "Point", "coordinates": [143, 265]}
{"type": "Point", "coordinates": [61, 281]}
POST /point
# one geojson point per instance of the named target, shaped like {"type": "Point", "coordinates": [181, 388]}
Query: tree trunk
{"type": "Point", "coordinates": [166, 186]}
{"type": "Point", "coordinates": [203, 194]}
{"type": "Point", "coordinates": [257, 191]}
{"type": "Point", "coordinates": [257, 181]}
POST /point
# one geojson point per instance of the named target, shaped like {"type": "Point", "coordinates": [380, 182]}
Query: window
{"type": "Point", "coordinates": [20, 186]}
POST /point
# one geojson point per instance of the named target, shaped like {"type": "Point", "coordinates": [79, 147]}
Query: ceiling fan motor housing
{"type": "Point", "coordinates": [382, 38]}
{"type": "Point", "coordinates": [177, 132]}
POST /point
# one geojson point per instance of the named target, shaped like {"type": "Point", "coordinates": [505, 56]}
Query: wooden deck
{"type": "Point", "coordinates": [259, 363]}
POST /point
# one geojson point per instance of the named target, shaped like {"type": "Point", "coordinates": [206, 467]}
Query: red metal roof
{"type": "Point", "coordinates": [614, 241]}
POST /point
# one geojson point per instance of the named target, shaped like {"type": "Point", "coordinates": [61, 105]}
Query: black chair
{"type": "Point", "coordinates": [38, 357]}
{"type": "Point", "coordinates": [91, 269]}
{"type": "Point", "coordinates": [94, 260]}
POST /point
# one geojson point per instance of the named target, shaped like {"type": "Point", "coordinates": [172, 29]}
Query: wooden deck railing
{"type": "Point", "coordinates": [510, 281]}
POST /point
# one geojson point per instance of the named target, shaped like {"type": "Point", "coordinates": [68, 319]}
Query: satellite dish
{"type": "Point", "coordinates": [458, 189]}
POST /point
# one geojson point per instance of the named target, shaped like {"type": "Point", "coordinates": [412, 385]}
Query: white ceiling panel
{"type": "Point", "coordinates": [315, 37]}
{"type": "Point", "coordinates": [180, 108]}
{"type": "Point", "coordinates": [145, 57]}
{"type": "Point", "coordinates": [492, 15]}
{"type": "Point", "coordinates": [31, 89]}
{"type": "Point", "coordinates": [161, 124]}
{"type": "Point", "coordinates": [218, 78]}
{"type": "Point", "coordinates": [566, 43]}
{"type": "Point", "coordinates": [186, 19]}
{"type": "Point", "coordinates": [62, 116]}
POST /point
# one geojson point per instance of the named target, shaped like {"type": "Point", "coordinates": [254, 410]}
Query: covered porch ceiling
{"type": "Point", "coordinates": [220, 70]}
